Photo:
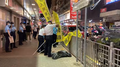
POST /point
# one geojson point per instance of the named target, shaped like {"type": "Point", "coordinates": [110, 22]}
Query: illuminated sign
{"type": "Point", "coordinates": [6, 2]}
{"type": "Point", "coordinates": [111, 1]}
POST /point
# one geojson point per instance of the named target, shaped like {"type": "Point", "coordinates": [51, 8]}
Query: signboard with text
{"type": "Point", "coordinates": [103, 10]}
{"type": "Point", "coordinates": [81, 4]}
{"type": "Point", "coordinates": [72, 14]}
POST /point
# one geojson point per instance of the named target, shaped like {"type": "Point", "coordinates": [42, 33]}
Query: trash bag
{"type": "Point", "coordinates": [61, 54]}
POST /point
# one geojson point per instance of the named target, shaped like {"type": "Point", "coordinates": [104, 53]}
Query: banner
{"type": "Point", "coordinates": [66, 39]}
{"type": "Point", "coordinates": [79, 34]}
{"type": "Point", "coordinates": [43, 7]}
{"type": "Point", "coordinates": [59, 32]}
{"type": "Point", "coordinates": [73, 15]}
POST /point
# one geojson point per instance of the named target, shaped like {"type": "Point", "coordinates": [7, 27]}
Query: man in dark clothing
{"type": "Point", "coordinates": [28, 31]}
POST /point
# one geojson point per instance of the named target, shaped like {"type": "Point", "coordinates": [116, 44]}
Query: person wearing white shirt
{"type": "Point", "coordinates": [49, 38]}
{"type": "Point", "coordinates": [41, 38]}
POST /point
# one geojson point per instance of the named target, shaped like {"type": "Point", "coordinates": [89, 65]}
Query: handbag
{"type": "Point", "coordinates": [11, 39]}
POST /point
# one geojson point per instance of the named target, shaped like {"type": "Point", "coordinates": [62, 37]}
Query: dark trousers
{"type": "Point", "coordinates": [48, 46]}
{"type": "Point", "coordinates": [14, 37]}
{"type": "Point", "coordinates": [41, 40]}
{"type": "Point", "coordinates": [24, 35]}
{"type": "Point", "coordinates": [7, 42]}
{"type": "Point", "coordinates": [54, 40]}
{"type": "Point", "coordinates": [20, 38]}
{"type": "Point", "coordinates": [35, 34]}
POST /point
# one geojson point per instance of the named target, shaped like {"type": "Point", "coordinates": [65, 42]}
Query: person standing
{"type": "Point", "coordinates": [55, 36]}
{"type": "Point", "coordinates": [20, 34]}
{"type": "Point", "coordinates": [49, 38]}
{"type": "Point", "coordinates": [7, 35]}
{"type": "Point", "coordinates": [24, 32]}
{"type": "Point", "coordinates": [28, 31]}
{"type": "Point", "coordinates": [41, 38]}
{"type": "Point", "coordinates": [13, 30]}
{"type": "Point", "coordinates": [35, 31]}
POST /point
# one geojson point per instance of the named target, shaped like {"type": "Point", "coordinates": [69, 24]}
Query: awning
{"type": "Point", "coordinates": [110, 13]}
{"type": "Point", "coordinates": [111, 16]}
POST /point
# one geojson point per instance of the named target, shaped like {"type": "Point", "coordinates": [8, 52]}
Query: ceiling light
{"type": "Point", "coordinates": [33, 4]}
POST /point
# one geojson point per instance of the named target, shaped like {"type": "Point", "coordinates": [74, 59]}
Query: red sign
{"type": "Point", "coordinates": [72, 14]}
{"type": "Point", "coordinates": [40, 11]}
{"type": "Point", "coordinates": [103, 10]}
{"type": "Point", "coordinates": [10, 3]}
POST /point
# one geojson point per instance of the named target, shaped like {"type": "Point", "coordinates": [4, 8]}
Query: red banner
{"type": "Point", "coordinates": [73, 15]}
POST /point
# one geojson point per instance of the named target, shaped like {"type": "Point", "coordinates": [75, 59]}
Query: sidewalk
{"type": "Point", "coordinates": [22, 57]}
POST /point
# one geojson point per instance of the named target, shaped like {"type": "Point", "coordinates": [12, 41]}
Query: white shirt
{"type": "Point", "coordinates": [49, 29]}
{"type": "Point", "coordinates": [41, 31]}
{"type": "Point", "coordinates": [35, 29]}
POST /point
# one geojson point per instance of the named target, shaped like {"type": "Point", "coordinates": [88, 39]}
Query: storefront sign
{"type": "Point", "coordinates": [81, 4]}
{"type": "Point", "coordinates": [72, 14]}
{"type": "Point", "coordinates": [103, 10]}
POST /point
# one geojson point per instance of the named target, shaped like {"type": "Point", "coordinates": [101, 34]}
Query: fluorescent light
{"type": "Point", "coordinates": [33, 4]}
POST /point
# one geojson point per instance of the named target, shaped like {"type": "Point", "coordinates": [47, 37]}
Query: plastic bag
{"type": "Point", "coordinates": [61, 54]}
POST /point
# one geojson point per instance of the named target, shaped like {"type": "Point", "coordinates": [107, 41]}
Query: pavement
{"type": "Point", "coordinates": [23, 57]}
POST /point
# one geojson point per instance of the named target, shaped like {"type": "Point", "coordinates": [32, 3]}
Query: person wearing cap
{"type": "Point", "coordinates": [49, 38]}
{"type": "Point", "coordinates": [41, 38]}
{"type": "Point", "coordinates": [7, 35]}
{"type": "Point", "coordinates": [21, 34]}
{"type": "Point", "coordinates": [13, 30]}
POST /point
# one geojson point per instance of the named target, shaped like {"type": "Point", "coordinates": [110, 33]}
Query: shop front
{"type": "Point", "coordinates": [9, 11]}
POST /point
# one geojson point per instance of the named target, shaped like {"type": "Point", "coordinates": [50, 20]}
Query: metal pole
{"type": "Point", "coordinates": [111, 54]}
{"type": "Point", "coordinates": [77, 38]}
{"type": "Point", "coordinates": [85, 31]}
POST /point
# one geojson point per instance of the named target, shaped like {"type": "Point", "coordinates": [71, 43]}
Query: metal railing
{"type": "Point", "coordinates": [97, 54]}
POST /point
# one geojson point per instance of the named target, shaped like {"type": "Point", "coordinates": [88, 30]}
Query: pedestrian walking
{"type": "Point", "coordinates": [28, 31]}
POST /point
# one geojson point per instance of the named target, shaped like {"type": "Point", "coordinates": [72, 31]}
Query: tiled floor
{"type": "Point", "coordinates": [23, 57]}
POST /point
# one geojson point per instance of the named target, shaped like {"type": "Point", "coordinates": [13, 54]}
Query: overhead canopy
{"type": "Point", "coordinates": [111, 16]}
{"type": "Point", "coordinates": [110, 13]}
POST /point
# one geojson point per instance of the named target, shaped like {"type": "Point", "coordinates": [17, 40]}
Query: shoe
{"type": "Point", "coordinates": [15, 47]}
{"type": "Point", "coordinates": [54, 46]}
{"type": "Point", "coordinates": [50, 56]}
{"type": "Point", "coordinates": [45, 54]}
{"type": "Point", "coordinates": [8, 51]}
